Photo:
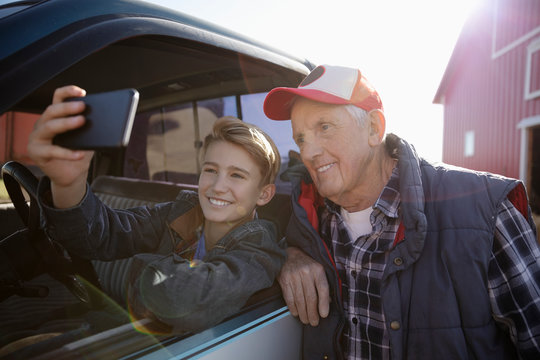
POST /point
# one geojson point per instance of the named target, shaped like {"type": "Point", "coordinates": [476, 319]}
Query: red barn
{"type": "Point", "coordinates": [491, 93]}
{"type": "Point", "coordinates": [15, 127]}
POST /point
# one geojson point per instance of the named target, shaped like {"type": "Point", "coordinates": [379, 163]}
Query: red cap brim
{"type": "Point", "coordinates": [277, 104]}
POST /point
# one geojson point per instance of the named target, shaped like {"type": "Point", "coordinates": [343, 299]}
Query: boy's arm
{"type": "Point", "coordinates": [94, 231]}
{"type": "Point", "coordinates": [193, 297]}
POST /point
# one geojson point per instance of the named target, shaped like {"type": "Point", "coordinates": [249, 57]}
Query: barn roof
{"type": "Point", "coordinates": [461, 48]}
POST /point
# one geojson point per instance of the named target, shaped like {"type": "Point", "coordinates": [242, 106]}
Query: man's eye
{"type": "Point", "coordinates": [210, 170]}
{"type": "Point", "coordinates": [299, 141]}
{"type": "Point", "coordinates": [325, 126]}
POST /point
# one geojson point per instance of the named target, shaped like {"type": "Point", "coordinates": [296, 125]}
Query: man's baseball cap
{"type": "Point", "coordinates": [327, 84]}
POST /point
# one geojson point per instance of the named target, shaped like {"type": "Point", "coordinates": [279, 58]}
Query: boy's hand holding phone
{"type": "Point", "coordinates": [67, 169]}
{"type": "Point", "coordinates": [109, 118]}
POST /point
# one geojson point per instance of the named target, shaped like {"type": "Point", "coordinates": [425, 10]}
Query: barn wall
{"type": "Point", "coordinates": [486, 92]}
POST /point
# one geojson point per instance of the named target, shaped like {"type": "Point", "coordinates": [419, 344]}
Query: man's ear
{"type": "Point", "coordinates": [377, 126]}
{"type": "Point", "coordinates": [267, 193]}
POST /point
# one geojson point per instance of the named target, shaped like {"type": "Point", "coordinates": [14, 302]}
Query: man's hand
{"type": "Point", "coordinates": [66, 168]}
{"type": "Point", "coordinates": [305, 287]}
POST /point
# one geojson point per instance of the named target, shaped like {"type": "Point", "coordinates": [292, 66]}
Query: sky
{"type": "Point", "coordinates": [402, 47]}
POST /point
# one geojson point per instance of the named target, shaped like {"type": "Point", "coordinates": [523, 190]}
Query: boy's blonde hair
{"type": "Point", "coordinates": [257, 143]}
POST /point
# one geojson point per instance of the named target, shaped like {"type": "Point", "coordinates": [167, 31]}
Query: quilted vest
{"type": "Point", "coordinates": [434, 288]}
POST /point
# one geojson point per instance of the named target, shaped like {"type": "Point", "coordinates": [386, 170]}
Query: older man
{"type": "Point", "coordinates": [393, 257]}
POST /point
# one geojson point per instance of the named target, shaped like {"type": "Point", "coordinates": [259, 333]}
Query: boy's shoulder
{"type": "Point", "coordinates": [190, 196]}
{"type": "Point", "coordinates": [257, 231]}
{"type": "Point", "coordinates": [257, 225]}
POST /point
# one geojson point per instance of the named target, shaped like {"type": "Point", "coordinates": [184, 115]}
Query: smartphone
{"type": "Point", "coordinates": [109, 119]}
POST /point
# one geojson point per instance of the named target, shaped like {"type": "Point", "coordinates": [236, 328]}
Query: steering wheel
{"type": "Point", "coordinates": [32, 251]}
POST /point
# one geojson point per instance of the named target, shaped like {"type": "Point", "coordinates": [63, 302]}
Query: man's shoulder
{"type": "Point", "coordinates": [441, 178]}
{"type": "Point", "coordinates": [456, 172]}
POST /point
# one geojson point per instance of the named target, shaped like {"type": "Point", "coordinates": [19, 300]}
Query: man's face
{"type": "Point", "coordinates": [333, 147]}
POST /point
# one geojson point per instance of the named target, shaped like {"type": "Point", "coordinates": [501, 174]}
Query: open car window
{"type": "Point", "coordinates": [166, 142]}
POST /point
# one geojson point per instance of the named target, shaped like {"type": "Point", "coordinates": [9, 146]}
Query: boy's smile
{"type": "Point", "coordinates": [218, 202]}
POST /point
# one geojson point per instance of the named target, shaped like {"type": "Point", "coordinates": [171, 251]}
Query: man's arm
{"type": "Point", "coordinates": [305, 287]}
{"type": "Point", "coordinates": [514, 279]}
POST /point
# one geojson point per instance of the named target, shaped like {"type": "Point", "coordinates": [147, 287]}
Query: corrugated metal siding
{"type": "Point", "coordinates": [15, 127]}
{"type": "Point", "coordinates": [487, 95]}
{"type": "Point", "coordinates": [515, 18]}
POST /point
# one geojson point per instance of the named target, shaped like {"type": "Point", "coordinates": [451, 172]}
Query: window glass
{"type": "Point", "coordinates": [279, 131]}
{"type": "Point", "coordinates": [135, 164]}
{"type": "Point", "coordinates": [532, 70]}
{"type": "Point", "coordinates": [469, 143]}
{"type": "Point", "coordinates": [165, 144]}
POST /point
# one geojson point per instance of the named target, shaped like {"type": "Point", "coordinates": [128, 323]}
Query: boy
{"type": "Point", "coordinates": [197, 259]}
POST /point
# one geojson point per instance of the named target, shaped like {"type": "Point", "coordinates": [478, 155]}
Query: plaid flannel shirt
{"type": "Point", "coordinates": [513, 275]}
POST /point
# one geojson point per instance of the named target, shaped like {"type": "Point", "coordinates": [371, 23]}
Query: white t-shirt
{"type": "Point", "coordinates": [358, 223]}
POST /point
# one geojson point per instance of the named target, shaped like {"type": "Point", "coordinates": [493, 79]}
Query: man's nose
{"type": "Point", "coordinates": [311, 149]}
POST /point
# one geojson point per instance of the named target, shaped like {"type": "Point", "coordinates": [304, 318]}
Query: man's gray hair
{"type": "Point", "coordinates": [359, 114]}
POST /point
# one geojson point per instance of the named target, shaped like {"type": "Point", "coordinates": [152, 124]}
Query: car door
{"type": "Point", "coordinates": [188, 73]}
